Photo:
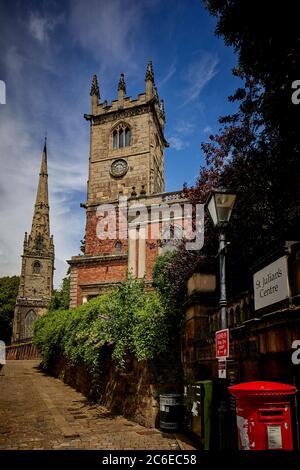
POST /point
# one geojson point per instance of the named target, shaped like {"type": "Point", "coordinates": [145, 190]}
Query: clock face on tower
{"type": "Point", "coordinates": [119, 168]}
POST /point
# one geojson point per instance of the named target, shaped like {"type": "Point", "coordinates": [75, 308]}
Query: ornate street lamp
{"type": "Point", "coordinates": [220, 204]}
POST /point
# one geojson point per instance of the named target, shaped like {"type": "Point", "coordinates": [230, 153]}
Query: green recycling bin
{"type": "Point", "coordinates": [198, 402]}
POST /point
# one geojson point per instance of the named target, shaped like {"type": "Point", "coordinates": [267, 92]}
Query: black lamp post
{"type": "Point", "coordinates": [220, 204]}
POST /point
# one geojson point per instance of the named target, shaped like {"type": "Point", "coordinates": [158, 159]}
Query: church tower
{"type": "Point", "coordinates": [36, 281]}
{"type": "Point", "coordinates": [126, 160]}
{"type": "Point", "coordinates": [126, 143]}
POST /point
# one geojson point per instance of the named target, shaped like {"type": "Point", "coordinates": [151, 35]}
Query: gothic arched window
{"type": "Point", "coordinates": [36, 267]}
{"type": "Point", "coordinates": [121, 136]}
{"type": "Point", "coordinates": [118, 247]}
{"type": "Point", "coordinates": [28, 324]}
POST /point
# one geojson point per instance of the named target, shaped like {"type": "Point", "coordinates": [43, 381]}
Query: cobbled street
{"type": "Point", "coordinates": [41, 412]}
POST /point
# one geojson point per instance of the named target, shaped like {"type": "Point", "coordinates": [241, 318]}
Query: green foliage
{"type": "Point", "coordinates": [49, 332]}
{"type": "Point", "coordinates": [257, 149]}
{"type": "Point", "coordinates": [170, 275]}
{"type": "Point", "coordinates": [129, 317]}
{"type": "Point", "coordinates": [160, 280]}
{"type": "Point", "coordinates": [8, 293]}
{"type": "Point", "coordinates": [61, 297]}
{"type": "Point", "coordinates": [150, 331]}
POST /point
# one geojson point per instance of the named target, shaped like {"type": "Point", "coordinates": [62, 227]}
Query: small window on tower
{"type": "Point", "coordinates": [115, 138]}
{"type": "Point", "coordinates": [36, 267]}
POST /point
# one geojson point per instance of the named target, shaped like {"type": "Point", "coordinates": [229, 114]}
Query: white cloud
{"type": "Point", "coordinates": [207, 130]}
{"type": "Point", "coordinates": [47, 89]}
{"type": "Point", "coordinates": [108, 30]}
{"type": "Point", "coordinates": [198, 74]}
{"type": "Point", "coordinates": [185, 127]}
{"type": "Point", "coordinates": [20, 162]}
{"type": "Point", "coordinates": [15, 61]}
{"type": "Point", "coordinates": [179, 138]}
{"type": "Point", "coordinates": [41, 26]}
{"type": "Point", "coordinates": [33, 105]}
{"type": "Point", "coordinates": [177, 143]}
{"type": "Point", "coordinates": [168, 76]}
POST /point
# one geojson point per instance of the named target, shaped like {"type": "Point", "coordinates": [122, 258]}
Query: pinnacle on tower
{"type": "Point", "coordinates": [122, 84]}
{"type": "Point", "coordinates": [42, 191]}
{"type": "Point", "coordinates": [149, 81]}
{"type": "Point", "coordinates": [95, 87]}
{"type": "Point", "coordinates": [40, 219]}
{"type": "Point", "coordinates": [149, 72]}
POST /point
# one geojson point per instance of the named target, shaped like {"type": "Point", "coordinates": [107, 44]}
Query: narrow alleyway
{"type": "Point", "coordinates": [40, 412]}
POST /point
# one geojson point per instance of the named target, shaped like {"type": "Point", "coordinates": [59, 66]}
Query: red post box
{"type": "Point", "coordinates": [263, 415]}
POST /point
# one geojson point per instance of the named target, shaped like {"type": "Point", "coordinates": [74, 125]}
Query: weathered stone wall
{"type": "Point", "coordinates": [102, 186]}
{"type": "Point", "coordinates": [132, 391]}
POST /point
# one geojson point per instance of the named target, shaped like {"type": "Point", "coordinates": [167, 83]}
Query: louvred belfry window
{"type": "Point", "coordinates": [36, 267]}
{"type": "Point", "coordinates": [121, 136]}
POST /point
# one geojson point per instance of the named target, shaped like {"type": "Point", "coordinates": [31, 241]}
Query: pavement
{"type": "Point", "coordinates": [39, 412]}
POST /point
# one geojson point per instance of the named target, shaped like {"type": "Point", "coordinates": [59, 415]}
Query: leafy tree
{"type": "Point", "coordinates": [8, 293]}
{"type": "Point", "coordinates": [256, 150]}
{"type": "Point", "coordinates": [170, 275]}
{"type": "Point", "coordinates": [160, 282]}
{"type": "Point", "coordinates": [128, 317]}
{"type": "Point", "coordinates": [255, 30]}
{"type": "Point", "coordinates": [61, 297]}
{"type": "Point", "coordinates": [271, 60]}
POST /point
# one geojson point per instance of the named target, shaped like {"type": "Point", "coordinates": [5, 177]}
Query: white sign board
{"type": "Point", "coordinates": [274, 437]}
{"type": "Point", "coordinates": [222, 367]}
{"type": "Point", "coordinates": [271, 284]}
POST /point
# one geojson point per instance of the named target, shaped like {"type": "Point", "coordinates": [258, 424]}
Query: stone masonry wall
{"type": "Point", "coordinates": [132, 392]}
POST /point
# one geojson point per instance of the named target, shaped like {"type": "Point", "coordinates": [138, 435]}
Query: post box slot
{"type": "Point", "coordinates": [272, 413]}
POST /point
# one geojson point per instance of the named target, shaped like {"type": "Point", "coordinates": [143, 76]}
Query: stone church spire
{"type": "Point", "coordinates": [36, 280]}
{"type": "Point", "coordinates": [40, 220]}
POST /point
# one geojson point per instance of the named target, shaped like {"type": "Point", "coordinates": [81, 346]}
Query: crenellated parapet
{"type": "Point", "coordinates": [127, 102]}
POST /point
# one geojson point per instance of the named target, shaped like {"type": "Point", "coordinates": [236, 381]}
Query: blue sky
{"type": "Point", "coordinates": [49, 52]}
